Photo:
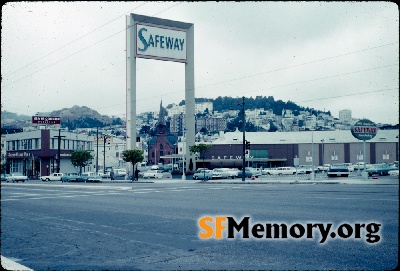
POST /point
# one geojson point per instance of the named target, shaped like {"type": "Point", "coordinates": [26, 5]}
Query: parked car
{"type": "Point", "coordinates": [280, 171]}
{"type": "Point", "coordinates": [394, 172]}
{"type": "Point", "coordinates": [248, 174]}
{"type": "Point", "coordinates": [105, 175]}
{"type": "Point", "coordinates": [157, 174]}
{"type": "Point", "coordinates": [89, 177]}
{"type": "Point", "coordinates": [234, 172]}
{"type": "Point", "coordinates": [222, 173]}
{"type": "Point", "coordinates": [69, 177]}
{"type": "Point", "coordinates": [338, 170]}
{"type": "Point", "coordinates": [204, 174]}
{"type": "Point", "coordinates": [16, 177]}
{"type": "Point", "coordinates": [301, 170]}
{"type": "Point", "coordinates": [52, 177]}
{"type": "Point", "coordinates": [379, 169]}
{"type": "Point", "coordinates": [325, 167]}
{"type": "Point", "coordinates": [119, 172]}
{"type": "Point", "coordinates": [257, 172]}
{"type": "Point", "coordinates": [307, 168]}
{"type": "Point", "coordinates": [359, 166]}
{"type": "Point", "coordinates": [4, 177]}
{"type": "Point", "coordinates": [350, 166]}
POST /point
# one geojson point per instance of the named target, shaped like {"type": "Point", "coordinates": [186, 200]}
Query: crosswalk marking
{"type": "Point", "coordinates": [39, 193]}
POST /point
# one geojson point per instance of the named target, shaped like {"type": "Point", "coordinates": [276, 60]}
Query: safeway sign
{"type": "Point", "coordinates": [364, 129]}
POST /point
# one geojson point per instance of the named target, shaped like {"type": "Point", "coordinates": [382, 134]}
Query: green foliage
{"type": "Point", "coordinates": [81, 158]}
{"type": "Point", "coordinates": [133, 156]}
{"type": "Point", "coordinates": [200, 149]}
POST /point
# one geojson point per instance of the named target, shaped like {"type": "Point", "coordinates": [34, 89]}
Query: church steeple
{"type": "Point", "coordinates": [161, 116]}
{"type": "Point", "coordinates": [161, 124]}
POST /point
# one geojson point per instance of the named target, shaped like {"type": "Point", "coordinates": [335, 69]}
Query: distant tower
{"type": "Point", "coordinates": [161, 125]}
{"type": "Point", "coordinates": [345, 115]}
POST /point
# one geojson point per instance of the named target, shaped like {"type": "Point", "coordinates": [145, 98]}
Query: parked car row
{"type": "Point", "coordinates": [225, 173]}
{"type": "Point", "coordinates": [14, 177]}
{"type": "Point", "coordinates": [382, 169]}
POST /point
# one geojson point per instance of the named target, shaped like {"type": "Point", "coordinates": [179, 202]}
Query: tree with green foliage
{"type": "Point", "coordinates": [200, 150]}
{"type": "Point", "coordinates": [81, 158]}
{"type": "Point", "coordinates": [134, 157]}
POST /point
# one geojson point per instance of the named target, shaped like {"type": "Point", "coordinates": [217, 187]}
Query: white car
{"type": "Point", "coordinates": [222, 173]}
{"type": "Point", "coordinates": [325, 167]}
{"type": "Point", "coordinates": [301, 170]}
{"type": "Point", "coordinates": [350, 166]}
{"type": "Point", "coordinates": [119, 172]}
{"type": "Point", "coordinates": [16, 177]}
{"type": "Point", "coordinates": [157, 174]}
{"type": "Point", "coordinates": [307, 168]}
{"type": "Point", "coordinates": [280, 171]}
{"type": "Point", "coordinates": [394, 172]}
{"type": "Point", "coordinates": [257, 172]}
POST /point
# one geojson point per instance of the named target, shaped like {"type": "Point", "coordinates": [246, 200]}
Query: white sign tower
{"type": "Point", "coordinates": [155, 38]}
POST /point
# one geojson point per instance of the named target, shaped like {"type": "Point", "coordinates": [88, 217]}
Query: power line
{"type": "Point", "coordinates": [62, 47]}
{"type": "Point", "coordinates": [77, 52]}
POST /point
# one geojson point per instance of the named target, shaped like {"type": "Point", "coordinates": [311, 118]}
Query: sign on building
{"type": "Point", "coordinates": [364, 129]}
{"type": "Point", "coordinates": [45, 120]}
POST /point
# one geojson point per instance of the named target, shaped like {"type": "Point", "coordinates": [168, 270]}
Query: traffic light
{"type": "Point", "coordinates": [247, 145]}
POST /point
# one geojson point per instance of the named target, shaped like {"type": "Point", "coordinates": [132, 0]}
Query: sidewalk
{"type": "Point", "coordinates": [273, 180]}
{"type": "Point", "coordinates": [324, 180]}
{"type": "Point", "coordinates": [8, 264]}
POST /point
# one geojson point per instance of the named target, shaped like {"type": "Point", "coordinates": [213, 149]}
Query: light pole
{"type": "Point", "coordinates": [323, 169]}
{"type": "Point", "coordinates": [183, 151]}
{"type": "Point", "coordinates": [312, 151]}
{"type": "Point", "coordinates": [244, 140]}
{"type": "Point", "coordinates": [97, 150]}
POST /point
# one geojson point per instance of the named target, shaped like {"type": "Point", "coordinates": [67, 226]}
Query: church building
{"type": "Point", "coordinates": [163, 143]}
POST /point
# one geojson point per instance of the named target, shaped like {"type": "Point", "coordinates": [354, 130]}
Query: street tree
{"type": "Point", "coordinates": [81, 158]}
{"type": "Point", "coordinates": [200, 150]}
{"type": "Point", "coordinates": [134, 157]}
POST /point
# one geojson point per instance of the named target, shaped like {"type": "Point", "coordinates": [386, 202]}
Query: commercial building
{"type": "Point", "coordinates": [280, 148]}
{"type": "Point", "coordinates": [44, 151]}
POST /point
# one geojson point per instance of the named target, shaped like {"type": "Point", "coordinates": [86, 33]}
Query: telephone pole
{"type": "Point", "coordinates": [59, 150]}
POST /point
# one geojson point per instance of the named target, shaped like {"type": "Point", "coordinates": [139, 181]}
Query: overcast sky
{"type": "Point", "coordinates": [322, 55]}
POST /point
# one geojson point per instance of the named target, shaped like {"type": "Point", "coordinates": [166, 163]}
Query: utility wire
{"type": "Point", "coordinates": [286, 85]}
{"type": "Point", "coordinates": [62, 47]}
{"type": "Point", "coordinates": [77, 52]}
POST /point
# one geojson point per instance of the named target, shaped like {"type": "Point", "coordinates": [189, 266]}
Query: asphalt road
{"type": "Point", "coordinates": [152, 226]}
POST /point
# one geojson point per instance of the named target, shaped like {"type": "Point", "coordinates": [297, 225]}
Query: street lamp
{"type": "Point", "coordinates": [323, 169]}
{"type": "Point", "coordinates": [244, 140]}
{"type": "Point", "coordinates": [97, 150]}
{"type": "Point", "coordinates": [183, 151]}
{"type": "Point", "coordinates": [312, 151]}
